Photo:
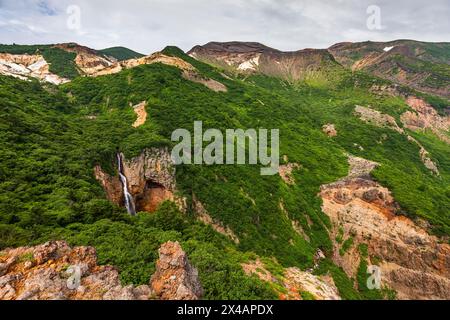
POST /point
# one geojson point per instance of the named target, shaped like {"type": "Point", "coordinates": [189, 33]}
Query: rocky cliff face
{"type": "Point", "coordinates": [55, 271]}
{"type": "Point", "coordinates": [88, 60]}
{"type": "Point", "coordinates": [151, 181]}
{"type": "Point", "coordinates": [425, 117]}
{"type": "Point", "coordinates": [413, 263]}
{"type": "Point", "coordinates": [24, 66]}
{"type": "Point", "coordinates": [295, 282]}
{"type": "Point", "coordinates": [111, 185]}
{"type": "Point", "coordinates": [175, 278]}
{"type": "Point", "coordinates": [248, 57]}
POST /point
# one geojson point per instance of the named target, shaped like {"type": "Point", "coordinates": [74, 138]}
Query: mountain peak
{"type": "Point", "coordinates": [251, 57]}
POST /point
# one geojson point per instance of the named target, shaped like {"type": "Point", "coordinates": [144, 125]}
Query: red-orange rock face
{"type": "Point", "coordinates": [55, 271]}
{"type": "Point", "coordinates": [175, 278]}
{"type": "Point", "coordinates": [151, 181]}
{"type": "Point", "coordinates": [412, 262]}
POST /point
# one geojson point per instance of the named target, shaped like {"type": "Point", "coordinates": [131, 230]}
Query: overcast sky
{"type": "Point", "coordinates": [149, 25]}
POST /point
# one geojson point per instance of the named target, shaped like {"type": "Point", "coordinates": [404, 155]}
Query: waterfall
{"type": "Point", "coordinates": [129, 201]}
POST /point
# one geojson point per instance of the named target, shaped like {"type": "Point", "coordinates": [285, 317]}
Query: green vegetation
{"type": "Point", "coordinates": [50, 145]}
{"type": "Point", "coordinates": [438, 73]}
{"type": "Point", "coordinates": [345, 285]}
{"type": "Point", "coordinates": [26, 257]}
{"type": "Point", "coordinates": [121, 53]}
{"type": "Point", "coordinates": [62, 63]}
{"type": "Point", "coordinates": [363, 280]}
{"type": "Point", "coordinates": [307, 295]}
{"type": "Point", "coordinates": [346, 246]}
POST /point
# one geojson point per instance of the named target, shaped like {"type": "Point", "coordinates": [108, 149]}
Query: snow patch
{"type": "Point", "coordinates": [387, 49]}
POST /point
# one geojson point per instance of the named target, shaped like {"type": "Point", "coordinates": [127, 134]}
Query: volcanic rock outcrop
{"type": "Point", "coordinates": [24, 66]}
{"type": "Point", "coordinates": [175, 278]}
{"type": "Point", "coordinates": [141, 113]}
{"type": "Point", "coordinates": [413, 263]}
{"type": "Point", "coordinates": [330, 130]}
{"type": "Point", "coordinates": [379, 119]}
{"type": "Point", "coordinates": [419, 65]}
{"type": "Point", "coordinates": [157, 57]}
{"type": "Point", "coordinates": [189, 72]}
{"type": "Point", "coordinates": [88, 60]}
{"type": "Point", "coordinates": [295, 282]}
{"type": "Point", "coordinates": [250, 57]}
{"type": "Point", "coordinates": [55, 271]}
{"type": "Point", "coordinates": [425, 117]}
{"type": "Point", "coordinates": [151, 181]}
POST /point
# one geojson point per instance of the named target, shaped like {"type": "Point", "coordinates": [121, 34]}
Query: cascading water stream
{"type": "Point", "coordinates": [129, 201]}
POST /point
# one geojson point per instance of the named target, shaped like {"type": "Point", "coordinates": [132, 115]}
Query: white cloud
{"type": "Point", "coordinates": [148, 26]}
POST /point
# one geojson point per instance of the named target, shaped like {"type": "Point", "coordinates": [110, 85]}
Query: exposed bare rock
{"type": "Point", "coordinates": [286, 172]}
{"type": "Point", "coordinates": [157, 57]}
{"type": "Point", "coordinates": [249, 57]}
{"type": "Point", "coordinates": [141, 113]}
{"type": "Point", "coordinates": [111, 185]}
{"type": "Point", "coordinates": [382, 120]}
{"type": "Point", "coordinates": [322, 288]}
{"type": "Point", "coordinates": [189, 71]}
{"type": "Point", "coordinates": [24, 66]}
{"type": "Point", "coordinates": [360, 168]}
{"type": "Point", "coordinates": [210, 83]}
{"type": "Point", "coordinates": [204, 216]}
{"type": "Point", "coordinates": [175, 278]}
{"type": "Point", "coordinates": [330, 130]}
{"type": "Point", "coordinates": [418, 285]}
{"type": "Point", "coordinates": [425, 157]}
{"type": "Point", "coordinates": [365, 211]}
{"type": "Point", "coordinates": [94, 64]}
{"type": "Point", "coordinates": [295, 282]}
{"type": "Point", "coordinates": [377, 118]}
{"type": "Point", "coordinates": [393, 90]}
{"type": "Point", "coordinates": [258, 268]}
{"type": "Point", "coordinates": [425, 117]}
{"type": "Point", "coordinates": [151, 181]}
{"type": "Point", "coordinates": [89, 61]}
{"type": "Point", "coordinates": [54, 271]}
{"type": "Point", "coordinates": [429, 164]}
{"type": "Point", "coordinates": [394, 61]}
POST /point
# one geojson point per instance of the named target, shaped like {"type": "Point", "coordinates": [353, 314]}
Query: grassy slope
{"type": "Point", "coordinates": [121, 53]}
